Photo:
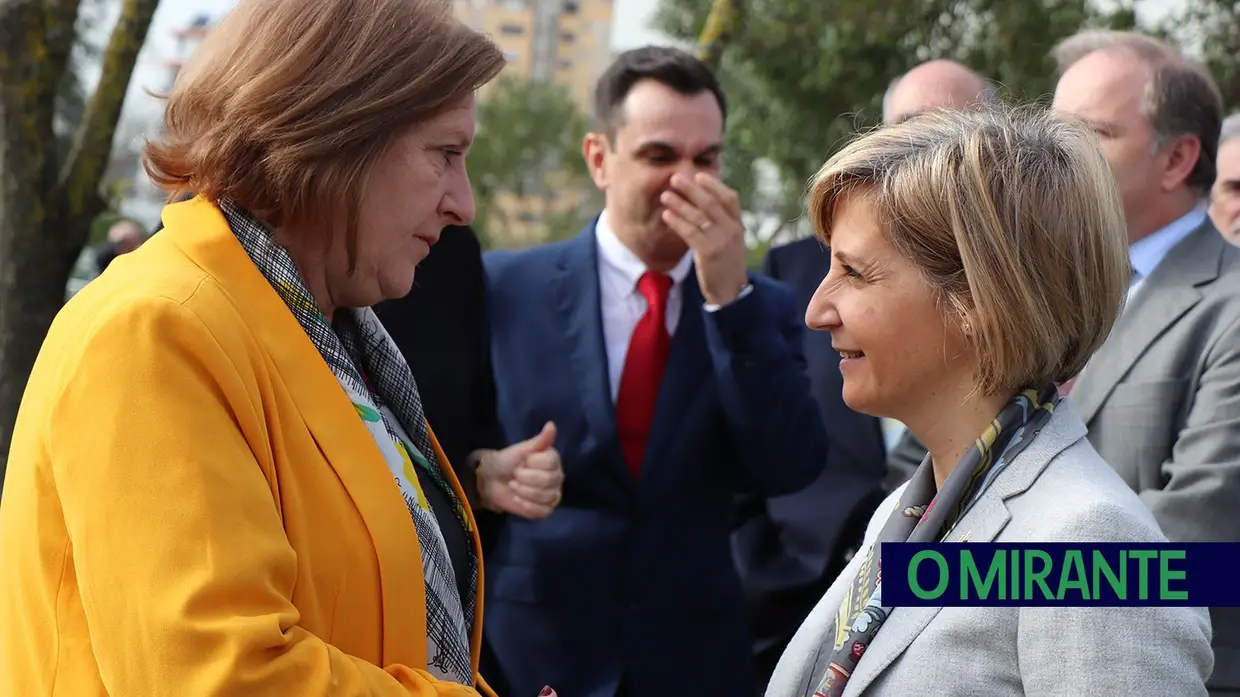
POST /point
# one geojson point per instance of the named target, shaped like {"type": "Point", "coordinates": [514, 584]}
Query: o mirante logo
{"type": "Point", "coordinates": [1060, 574]}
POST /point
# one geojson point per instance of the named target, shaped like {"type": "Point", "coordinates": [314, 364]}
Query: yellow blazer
{"type": "Point", "coordinates": [192, 506]}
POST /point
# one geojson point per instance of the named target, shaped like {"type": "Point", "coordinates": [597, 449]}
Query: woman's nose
{"type": "Point", "coordinates": [821, 314]}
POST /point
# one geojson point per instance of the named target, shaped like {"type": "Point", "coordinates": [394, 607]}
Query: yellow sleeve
{"type": "Point", "coordinates": [185, 572]}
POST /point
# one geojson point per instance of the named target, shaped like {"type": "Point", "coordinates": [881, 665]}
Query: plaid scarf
{"type": "Point", "coordinates": [928, 514]}
{"type": "Point", "coordinates": [378, 382]}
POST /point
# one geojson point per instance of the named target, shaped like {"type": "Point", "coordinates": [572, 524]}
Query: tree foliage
{"type": "Point", "coordinates": [48, 198]}
{"type": "Point", "coordinates": [723, 20]}
{"type": "Point", "coordinates": [1210, 30]}
{"type": "Point", "coordinates": [804, 75]}
{"type": "Point", "coordinates": [526, 165]}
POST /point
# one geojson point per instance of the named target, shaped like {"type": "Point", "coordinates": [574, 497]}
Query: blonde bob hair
{"type": "Point", "coordinates": [287, 105]}
{"type": "Point", "coordinates": [1015, 221]}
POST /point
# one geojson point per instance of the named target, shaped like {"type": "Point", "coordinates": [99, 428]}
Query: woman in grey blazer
{"type": "Point", "coordinates": [978, 260]}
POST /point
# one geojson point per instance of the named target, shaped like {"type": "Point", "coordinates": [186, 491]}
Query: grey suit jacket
{"type": "Point", "coordinates": [1057, 490]}
{"type": "Point", "coordinates": [1162, 403]}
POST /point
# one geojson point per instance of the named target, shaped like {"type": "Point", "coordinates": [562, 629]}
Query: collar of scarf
{"type": "Point", "coordinates": [926, 514]}
{"type": "Point", "coordinates": [377, 380]}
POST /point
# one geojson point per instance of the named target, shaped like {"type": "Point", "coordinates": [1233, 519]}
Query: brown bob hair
{"type": "Point", "coordinates": [288, 104]}
{"type": "Point", "coordinates": [1015, 221]}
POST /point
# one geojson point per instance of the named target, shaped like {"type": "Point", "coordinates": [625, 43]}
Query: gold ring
{"type": "Point", "coordinates": [559, 495]}
{"type": "Point", "coordinates": [705, 225]}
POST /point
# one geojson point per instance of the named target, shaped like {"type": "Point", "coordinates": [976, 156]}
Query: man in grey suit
{"type": "Point", "coordinates": [1161, 398]}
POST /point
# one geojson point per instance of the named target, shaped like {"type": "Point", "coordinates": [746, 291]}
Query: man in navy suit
{"type": "Point", "coordinates": [676, 381]}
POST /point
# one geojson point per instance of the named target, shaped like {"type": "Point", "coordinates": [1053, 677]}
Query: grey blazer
{"type": "Point", "coordinates": [1162, 403]}
{"type": "Point", "coordinates": [1057, 490]}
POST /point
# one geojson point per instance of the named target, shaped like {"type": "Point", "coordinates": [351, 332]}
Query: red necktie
{"type": "Point", "coordinates": [643, 370]}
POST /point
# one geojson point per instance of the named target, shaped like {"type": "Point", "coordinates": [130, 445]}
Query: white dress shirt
{"type": "Point", "coordinates": [621, 303]}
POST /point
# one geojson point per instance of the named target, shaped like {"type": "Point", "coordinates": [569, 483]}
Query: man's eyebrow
{"type": "Point", "coordinates": [712, 149]}
{"type": "Point", "coordinates": [655, 145]}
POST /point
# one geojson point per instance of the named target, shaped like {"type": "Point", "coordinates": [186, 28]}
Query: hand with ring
{"type": "Point", "coordinates": [706, 213]}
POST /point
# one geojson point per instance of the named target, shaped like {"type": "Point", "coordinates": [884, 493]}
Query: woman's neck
{"type": "Point", "coordinates": [953, 427]}
{"type": "Point", "coordinates": [312, 268]}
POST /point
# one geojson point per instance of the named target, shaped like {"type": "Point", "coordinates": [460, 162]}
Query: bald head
{"type": "Point", "coordinates": [934, 85]}
{"type": "Point", "coordinates": [125, 236]}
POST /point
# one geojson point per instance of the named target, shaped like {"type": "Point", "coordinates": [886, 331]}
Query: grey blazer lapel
{"type": "Point", "coordinates": [982, 522]}
{"type": "Point", "coordinates": [900, 629]}
{"type": "Point", "coordinates": [1170, 291]}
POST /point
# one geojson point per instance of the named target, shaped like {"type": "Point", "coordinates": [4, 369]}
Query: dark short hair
{"type": "Point", "coordinates": [669, 66]}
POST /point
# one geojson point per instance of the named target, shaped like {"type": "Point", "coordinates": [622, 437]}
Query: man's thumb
{"type": "Point", "coordinates": [545, 439]}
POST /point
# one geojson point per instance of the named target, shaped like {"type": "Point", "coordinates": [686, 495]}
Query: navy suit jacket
{"type": "Point", "coordinates": [632, 579]}
{"type": "Point", "coordinates": [790, 548]}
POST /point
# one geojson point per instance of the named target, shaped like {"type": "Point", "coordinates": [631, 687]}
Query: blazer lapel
{"type": "Point", "coordinates": [201, 231]}
{"type": "Point", "coordinates": [578, 306]}
{"type": "Point", "coordinates": [688, 366]}
{"type": "Point", "coordinates": [903, 625]}
{"type": "Point", "coordinates": [1170, 291]}
{"type": "Point", "coordinates": [982, 522]}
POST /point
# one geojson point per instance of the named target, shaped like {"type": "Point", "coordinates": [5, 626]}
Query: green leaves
{"type": "Point", "coordinates": [803, 75]}
{"type": "Point", "coordinates": [1211, 30]}
{"type": "Point", "coordinates": [530, 181]}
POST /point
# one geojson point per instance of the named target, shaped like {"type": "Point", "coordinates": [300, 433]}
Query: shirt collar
{"type": "Point", "coordinates": [613, 253]}
{"type": "Point", "coordinates": [1148, 252]}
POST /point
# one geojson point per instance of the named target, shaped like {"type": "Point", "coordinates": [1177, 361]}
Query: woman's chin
{"type": "Point", "coordinates": [860, 400]}
{"type": "Point", "coordinates": [397, 285]}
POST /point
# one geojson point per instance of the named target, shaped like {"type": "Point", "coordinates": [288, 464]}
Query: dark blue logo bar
{"type": "Point", "coordinates": [1060, 574]}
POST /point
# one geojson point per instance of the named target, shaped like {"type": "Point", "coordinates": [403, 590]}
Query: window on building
{"type": "Point", "coordinates": [511, 29]}
{"type": "Point", "coordinates": [564, 64]}
{"type": "Point", "coordinates": [571, 7]}
{"type": "Point", "coordinates": [568, 37]}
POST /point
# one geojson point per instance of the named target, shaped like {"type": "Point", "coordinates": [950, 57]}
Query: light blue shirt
{"type": "Point", "coordinates": [1147, 253]}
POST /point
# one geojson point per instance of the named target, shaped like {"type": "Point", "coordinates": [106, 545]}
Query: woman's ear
{"type": "Point", "coordinates": [966, 324]}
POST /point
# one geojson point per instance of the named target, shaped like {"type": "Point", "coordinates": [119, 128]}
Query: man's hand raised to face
{"type": "Point", "coordinates": [707, 216]}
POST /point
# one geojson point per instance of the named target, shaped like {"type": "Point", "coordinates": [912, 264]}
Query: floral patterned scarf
{"type": "Point", "coordinates": [927, 515]}
{"type": "Point", "coordinates": [378, 382]}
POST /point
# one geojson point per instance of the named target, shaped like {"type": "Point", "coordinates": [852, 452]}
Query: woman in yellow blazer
{"type": "Point", "coordinates": [221, 481]}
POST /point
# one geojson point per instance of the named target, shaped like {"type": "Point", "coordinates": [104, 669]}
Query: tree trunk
{"type": "Point", "coordinates": [722, 22]}
{"type": "Point", "coordinates": [45, 214]}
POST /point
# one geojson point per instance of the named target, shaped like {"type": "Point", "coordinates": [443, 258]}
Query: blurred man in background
{"type": "Point", "coordinates": [932, 85]}
{"type": "Point", "coordinates": [123, 237]}
{"type": "Point", "coordinates": [676, 381]}
{"type": "Point", "coordinates": [1225, 195]}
